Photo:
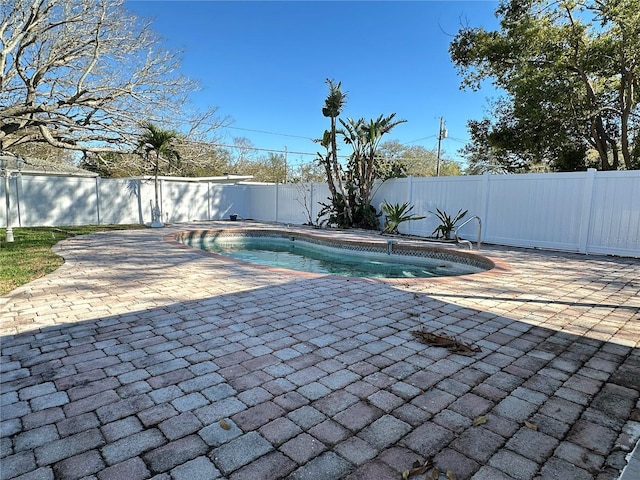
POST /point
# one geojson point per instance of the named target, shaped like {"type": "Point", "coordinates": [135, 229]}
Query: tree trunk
{"type": "Point", "coordinates": [599, 137]}
{"type": "Point", "coordinates": [626, 99]}
{"type": "Point", "coordinates": [156, 213]}
{"type": "Point", "coordinates": [337, 172]}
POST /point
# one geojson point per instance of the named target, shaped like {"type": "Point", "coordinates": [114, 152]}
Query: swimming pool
{"type": "Point", "coordinates": [309, 253]}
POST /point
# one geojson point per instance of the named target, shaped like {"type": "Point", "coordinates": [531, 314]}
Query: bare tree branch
{"type": "Point", "coordinates": [82, 74]}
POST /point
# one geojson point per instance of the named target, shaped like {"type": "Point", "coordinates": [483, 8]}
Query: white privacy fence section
{"type": "Point", "coordinates": [614, 214]}
{"type": "Point", "coordinates": [53, 201]}
{"type": "Point", "coordinates": [588, 212]}
{"type": "Point", "coordinates": [449, 194]}
{"type": "Point", "coordinates": [523, 211]}
{"type": "Point", "coordinates": [300, 203]}
{"type": "Point", "coordinates": [120, 201]}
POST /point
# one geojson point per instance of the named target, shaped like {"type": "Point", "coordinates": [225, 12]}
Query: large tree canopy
{"type": "Point", "coordinates": [570, 70]}
{"type": "Point", "coordinates": [402, 161]}
{"type": "Point", "coordinates": [82, 74]}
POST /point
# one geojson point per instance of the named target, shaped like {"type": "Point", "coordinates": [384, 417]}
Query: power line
{"type": "Point", "coordinates": [270, 133]}
{"type": "Point", "coordinates": [423, 138]}
{"type": "Point", "coordinates": [257, 149]}
{"type": "Point", "coordinates": [459, 140]}
{"type": "Point", "coordinates": [270, 150]}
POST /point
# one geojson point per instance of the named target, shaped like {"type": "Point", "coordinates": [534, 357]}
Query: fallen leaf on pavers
{"type": "Point", "coordinates": [451, 475]}
{"type": "Point", "coordinates": [435, 473]}
{"type": "Point", "coordinates": [224, 424]}
{"type": "Point", "coordinates": [531, 426]}
{"type": "Point", "coordinates": [451, 344]}
{"type": "Point", "coordinates": [416, 469]}
{"type": "Point", "coordinates": [481, 420]}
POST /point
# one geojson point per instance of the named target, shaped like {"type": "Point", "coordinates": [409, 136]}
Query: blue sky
{"type": "Point", "coordinates": [265, 64]}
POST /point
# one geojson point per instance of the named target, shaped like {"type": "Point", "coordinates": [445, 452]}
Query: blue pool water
{"type": "Point", "coordinates": [308, 257]}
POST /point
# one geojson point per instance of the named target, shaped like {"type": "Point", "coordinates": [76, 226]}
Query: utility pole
{"type": "Point", "coordinates": [442, 133]}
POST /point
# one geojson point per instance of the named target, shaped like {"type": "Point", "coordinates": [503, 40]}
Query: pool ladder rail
{"type": "Point", "coordinates": [467, 242]}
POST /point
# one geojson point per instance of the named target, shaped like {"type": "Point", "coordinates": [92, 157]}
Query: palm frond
{"type": "Point", "coordinates": [335, 100]}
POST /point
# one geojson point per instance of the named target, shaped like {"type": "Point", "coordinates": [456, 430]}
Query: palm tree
{"type": "Point", "coordinates": [157, 145]}
{"type": "Point", "coordinates": [333, 105]}
{"type": "Point", "coordinates": [364, 138]}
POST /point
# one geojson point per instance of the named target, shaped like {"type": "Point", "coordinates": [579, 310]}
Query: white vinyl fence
{"type": "Point", "coordinates": [587, 212]}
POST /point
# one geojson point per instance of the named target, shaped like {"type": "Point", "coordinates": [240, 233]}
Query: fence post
{"type": "Point", "coordinates": [98, 199]}
{"type": "Point", "coordinates": [410, 188]}
{"type": "Point", "coordinates": [311, 202]}
{"type": "Point", "coordinates": [18, 195]}
{"type": "Point", "coordinates": [410, 178]}
{"type": "Point", "coordinates": [139, 190]}
{"type": "Point", "coordinates": [162, 204]}
{"type": "Point", "coordinates": [277, 191]}
{"type": "Point", "coordinates": [585, 218]}
{"type": "Point", "coordinates": [484, 202]}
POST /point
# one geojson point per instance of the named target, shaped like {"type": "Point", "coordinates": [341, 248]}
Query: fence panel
{"type": "Point", "coordinates": [261, 202]}
{"type": "Point", "coordinates": [541, 210]}
{"type": "Point", "coordinates": [184, 201]}
{"type": "Point", "coordinates": [394, 191]}
{"type": "Point", "coordinates": [615, 214]}
{"type": "Point", "coordinates": [120, 201]}
{"type": "Point", "coordinates": [319, 194]}
{"type": "Point", "coordinates": [449, 194]}
{"type": "Point", "coordinates": [291, 203]}
{"type": "Point", "coordinates": [57, 200]}
{"type": "Point", "coordinates": [225, 200]}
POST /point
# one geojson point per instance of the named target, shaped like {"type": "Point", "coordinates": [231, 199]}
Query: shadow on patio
{"type": "Point", "coordinates": [313, 378]}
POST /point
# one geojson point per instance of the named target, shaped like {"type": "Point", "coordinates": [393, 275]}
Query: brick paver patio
{"type": "Point", "coordinates": [138, 359]}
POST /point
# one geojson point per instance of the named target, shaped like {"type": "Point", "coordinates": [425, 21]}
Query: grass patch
{"type": "Point", "coordinates": [29, 256]}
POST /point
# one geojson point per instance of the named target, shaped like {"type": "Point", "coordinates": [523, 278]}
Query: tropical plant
{"type": "Point", "coordinates": [447, 223]}
{"type": "Point", "coordinates": [333, 213]}
{"type": "Point", "coordinates": [157, 145]}
{"type": "Point", "coordinates": [364, 164]}
{"type": "Point", "coordinates": [352, 187]}
{"type": "Point", "coordinates": [396, 214]}
{"type": "Point", "coordinates": [333, 105]}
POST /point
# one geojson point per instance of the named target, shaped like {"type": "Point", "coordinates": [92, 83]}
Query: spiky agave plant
{"type": "Point", "coordinates": [396, 214]}
{"type": "Point", "coordinates": [447, 223]}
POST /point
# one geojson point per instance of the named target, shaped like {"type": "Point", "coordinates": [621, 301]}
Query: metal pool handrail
{"type": "Point", "coordinates": [479, 232]}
